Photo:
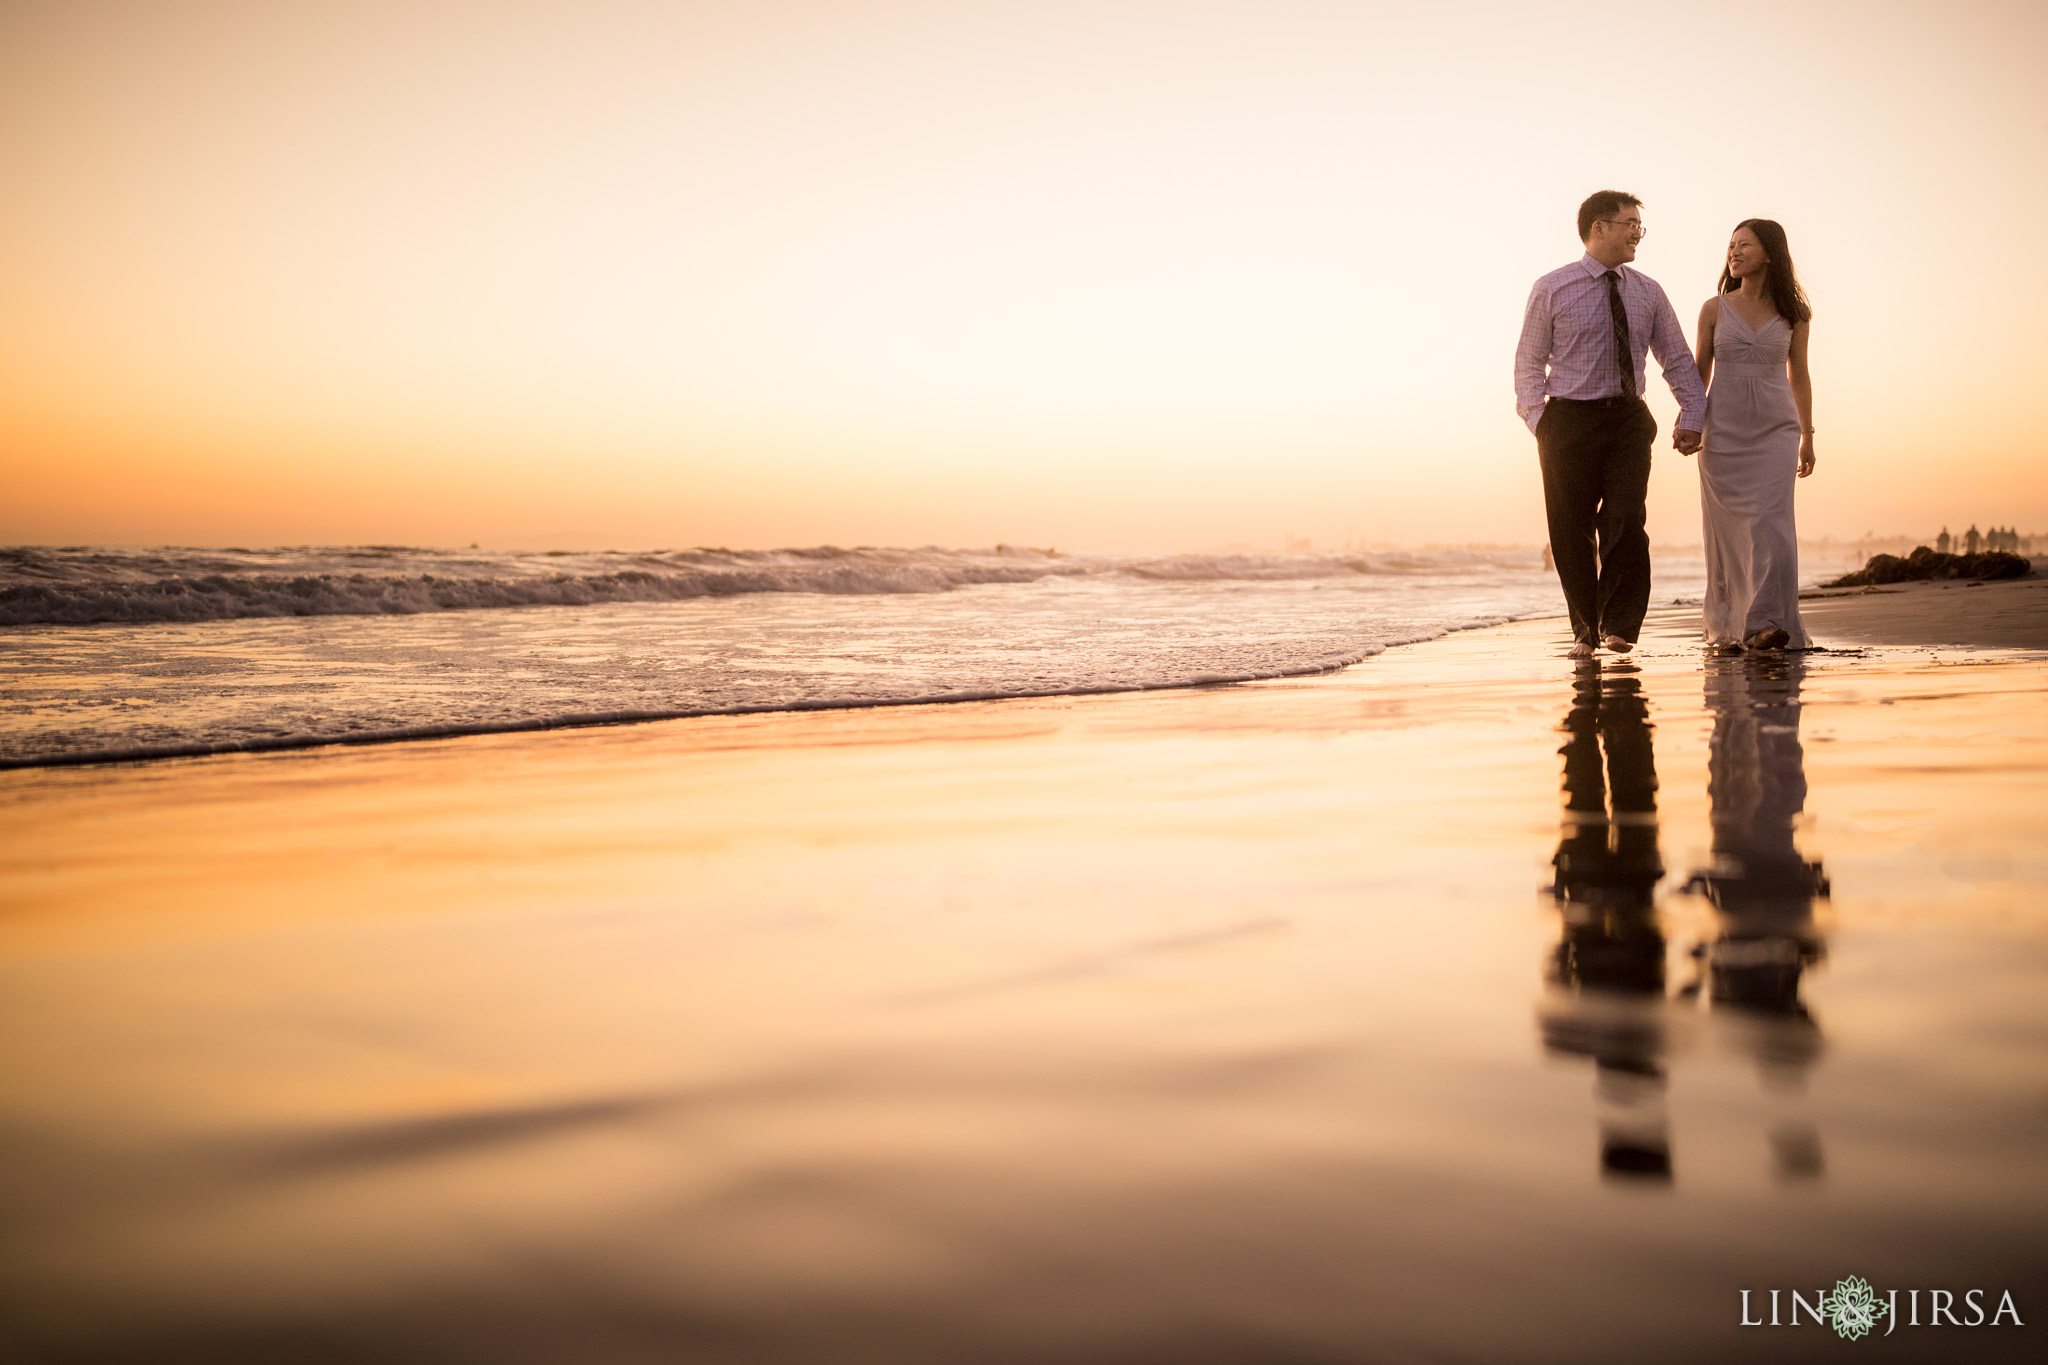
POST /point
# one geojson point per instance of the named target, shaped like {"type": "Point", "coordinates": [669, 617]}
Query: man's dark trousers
{"type": "Point", "coordinates": [1596, 474]}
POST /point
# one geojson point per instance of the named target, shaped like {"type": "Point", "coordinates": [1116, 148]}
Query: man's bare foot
{"type": "Point", "coordinates": [1617, 644]}
{"type": "Point", "coordinates": [1770, 637]}
{"type": "Point", "coordinates": [1581, 650]}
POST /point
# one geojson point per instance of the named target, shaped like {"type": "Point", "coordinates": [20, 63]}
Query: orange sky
{"type": "Point", "coordinates": [1103, 275]}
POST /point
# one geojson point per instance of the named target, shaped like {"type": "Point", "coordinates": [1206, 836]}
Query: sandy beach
{"type": "Point", "coordinates": [2008, 615]}
{"type": "Point", "coordinates": [1328, 1019]}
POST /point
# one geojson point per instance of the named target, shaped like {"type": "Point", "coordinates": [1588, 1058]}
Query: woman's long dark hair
{"type": "Point", "coordinates": [1781, 283]}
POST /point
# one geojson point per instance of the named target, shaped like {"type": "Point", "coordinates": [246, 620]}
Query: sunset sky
{"type": "Point", "coordinates": [1108, 275]}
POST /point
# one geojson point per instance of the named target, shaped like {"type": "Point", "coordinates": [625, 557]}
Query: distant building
{"type": "Point", "coordinates": [1943, 541]}
{"type": "Point", "coordinates": [1972, 541]}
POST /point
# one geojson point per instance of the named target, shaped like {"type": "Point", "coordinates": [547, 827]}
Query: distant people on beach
{"type": "Point", "coordinates": [1972, 541]}
{"type": "Point", "coordinates": [1759, 438]}
{"type": "Point", "coordinates": [1579, 378]}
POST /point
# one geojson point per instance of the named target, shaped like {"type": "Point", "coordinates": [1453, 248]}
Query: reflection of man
{"type": "Point", "coordinates": [1609, 963]}
{"type": "Point", "coordinates": [1608, 857]}
{"type": "Point", "coordinates": [1578, 384]}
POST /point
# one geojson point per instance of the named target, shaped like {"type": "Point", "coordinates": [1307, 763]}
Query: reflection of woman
{"type": "Point", "coordinates": [1761, 885]}
{"type": "Point", "coordinates": [1763, 891]}
{"type": "Point", "coordinates": [1752, 350]}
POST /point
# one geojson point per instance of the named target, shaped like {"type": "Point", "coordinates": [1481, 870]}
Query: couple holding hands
{"type": "Point", "coordinates": [1745, 407]}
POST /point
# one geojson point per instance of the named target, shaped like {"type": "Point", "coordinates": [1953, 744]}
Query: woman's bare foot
{"type": "Point", "coordinates": [1770, 637]}
{"type": "Point", "coordinates": [1581, 650]}
{"type": "Point", "coordinates": [1618, 645]}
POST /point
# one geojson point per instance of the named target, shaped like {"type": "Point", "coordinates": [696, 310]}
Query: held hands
{"type": "Point", "coordinates": [1685, 442]}
{"type": "Point", "coordinates": [1805, 454]}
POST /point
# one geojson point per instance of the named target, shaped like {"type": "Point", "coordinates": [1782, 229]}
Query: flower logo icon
{"type": "Point", "coordinates": [1853, 1308]}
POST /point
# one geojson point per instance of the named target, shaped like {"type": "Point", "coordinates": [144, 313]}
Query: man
{"type": "Point", "coordinates": [1578, 384]}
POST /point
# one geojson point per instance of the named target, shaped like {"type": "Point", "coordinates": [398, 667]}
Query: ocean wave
{"type": "Point", "coordinates": [83, 586]}
{"type": "Point", "coordinates": [218, 597]}
{"type": "Point", "coordinates": [435, 661]}
{"type": "Point", "coordinates": [1266, 568]}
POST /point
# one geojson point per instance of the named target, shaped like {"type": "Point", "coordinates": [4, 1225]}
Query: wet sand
{"type": "Point", "coordinates": [1463, 1005]}
{"type": "Point", "coordinates": [2007, 615]}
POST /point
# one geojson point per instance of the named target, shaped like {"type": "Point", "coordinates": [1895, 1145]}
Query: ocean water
{"type": "Point", "coordinates": [116, 653]}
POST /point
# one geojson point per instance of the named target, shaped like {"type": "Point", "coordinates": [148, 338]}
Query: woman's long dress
{"type": "Point", "coordinates": [1747, 470]}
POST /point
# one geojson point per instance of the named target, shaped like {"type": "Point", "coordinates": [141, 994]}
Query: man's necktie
{"type": "Point", "coordinates": [1624, 354]}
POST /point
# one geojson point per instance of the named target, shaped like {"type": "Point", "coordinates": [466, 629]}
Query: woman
{"type": "Point", "coordinates": [1752, 355]}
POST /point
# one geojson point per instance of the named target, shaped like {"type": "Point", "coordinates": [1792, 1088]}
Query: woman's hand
{"type": "Point", "coordinates": [1805, 454]}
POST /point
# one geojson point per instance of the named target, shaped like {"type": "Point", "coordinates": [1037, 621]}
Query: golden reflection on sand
{"type": "Point", "coordinates": [1228, 1024]}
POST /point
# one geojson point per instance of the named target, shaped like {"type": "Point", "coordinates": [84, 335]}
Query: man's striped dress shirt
{"type": "Point", "coordinates": [1567, 346]}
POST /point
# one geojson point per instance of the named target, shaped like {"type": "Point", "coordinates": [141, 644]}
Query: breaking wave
{"type": "Point", "coordinates": [89, 586]}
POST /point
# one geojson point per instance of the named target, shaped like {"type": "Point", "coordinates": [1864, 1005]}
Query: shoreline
{"type": "Point", "coordinates": [2008, 615]}
{"type": "Point", "coordinates": [602, 720]}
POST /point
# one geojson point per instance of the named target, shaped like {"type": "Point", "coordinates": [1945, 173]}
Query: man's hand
{"type": "Point", "coordinates": [1686, 442]}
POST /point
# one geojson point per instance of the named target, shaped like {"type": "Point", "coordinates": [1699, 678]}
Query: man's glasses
{"type": "Point", "coordinates": [1633, 229]}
